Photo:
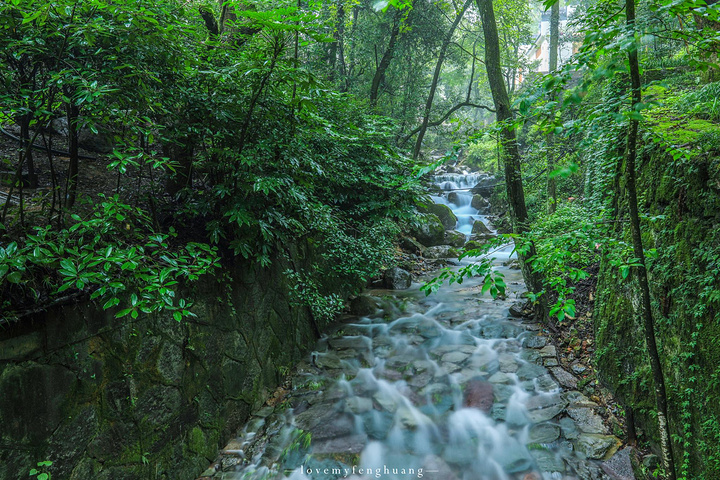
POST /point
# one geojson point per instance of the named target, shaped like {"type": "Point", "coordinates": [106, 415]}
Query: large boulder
{"type": "Point", "coordinates": [454, 198]}
{"type": "Point", "coordinates": [480, 229]}
{"type": "Point", "coordinates": [479, 394]}
{"type": "Point", "coordinates": [397, 279]}
{"type": "Point", "coordinates": [430, 231]}
{"type": "Point", "coordinates": [441, 251]}
{"type": "Point", "coordinates": [409, 244]}
{"type": "Point", "coordinates": [454, 238]}
{"type": "Point", "coordinates": [479, 203]}
{"type": "Point", "coordinates": [445, 214]}
{"type": "Point", "coordinates": [485, 186]}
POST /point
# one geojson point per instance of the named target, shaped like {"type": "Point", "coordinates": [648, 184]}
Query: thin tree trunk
{"type": "Point", "coordinates": [647, 317]}
{"type": "Point", "coordinates": [436, 77]}
{"type": "Point", "coordinates": [25, 141]}
{"type": "Point", "coordinates": [504, 116]}
{"type": "Point", "coordinates": [387, 57]}
{"type": "Point", "coordinates": [554, 42]}
{"type": "Point", "coordinates": [340, 39]}
{"type": "Point", "coordinates": [73, 114]}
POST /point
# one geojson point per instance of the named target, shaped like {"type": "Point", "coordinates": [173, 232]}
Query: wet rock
{"type": "Point", "coordinates": [479, 203]}
{"type": "Point", "coordinates": [568, 428]}
{"type": "Point", "coordinates": [358, 404]}
{"type": "Point", "coordinates": [542, 408]}
{"type": "Point", "coordinates": [445, 214]}
{"type": "Point", "coordinates": [475, 244]}
{"type": "Point", "coordinates": [596, 446]}
{"type": "Point", "coordinates": [455, 357]}
{"type": "Point", "coordinates": [411, 418]}
{"type": "Point", "coordinates": [396, 279]}
{"type": "Point", "coordinates": [530, 371]}
{"type": "Point", "coordinates": [430, 231]}
{"type": "Point", "coordinates": [479, 394]}
{"type": "Point", "coordinates": [377, 424]}
{"type": "Point", "coordinates": [499, 377]}
{"type": "Point", "coordinates": [385, 400]}
{"type": "Point", "coordinates": [363, 305]}
{"type": "Point", "coordinates": [454, 238]}
{"type": "Point", "coordinates": [514, 458]}
{"type": "Point", "coordinates": [545, 383]}
{"type": "Point", "coordinates": [619, 467]}
{"type": "Point", "coordinates": [536, 341]}
{"type": "Point", "coordinates": [578, 369]}
{"type": "Point", "coordinates": [454, 198]}
{"type": "Point", "coordinates": [543, 433]}
{"type": "Point", "coordinates": [507, 363]}
{"type": "Point", "coordinates": [564, 378]}
{"type": "Point", "coordinates": [548, 351]}
{"type": "Point", "coordinates": [441, 251]}
{"type": "Point", "coordinates": [516, 309]}
{"type": "Point", "coordinates": [479, 228]}
{"type": "Point", "coordinates": [550, 362]}
{"type": "Point", "coordinates": [328, 361]}
{"type": "Point", "coordinates": [587, 420]}
{"type": "Point", "coordinates": [348, 444]}
{"type": "Point", "coordinates": [548, 461]}
{"type": "Point", "coordinates": [486, 361]}
{"type": "Point", "coordinates": [409, 244]}
{"type": "Point", "coordinates": [420, 380]}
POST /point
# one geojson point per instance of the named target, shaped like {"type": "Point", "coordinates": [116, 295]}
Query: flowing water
{"type": "Point", "coordinates": [442, 387]}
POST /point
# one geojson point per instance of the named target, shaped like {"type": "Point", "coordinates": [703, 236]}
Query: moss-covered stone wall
{"type": "Point", "coordinates": [105, 398]}
{"type": "Point", "coordinates": [681, 196]}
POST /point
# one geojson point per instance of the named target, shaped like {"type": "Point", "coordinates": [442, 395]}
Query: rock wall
{"type": "Point", "coordinates": [106, 398]}
{"type": "Point", "coordinates": [684, 197]}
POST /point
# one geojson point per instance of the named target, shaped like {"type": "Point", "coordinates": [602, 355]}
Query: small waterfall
{"type": "Point", "coordinates": [456, 194]}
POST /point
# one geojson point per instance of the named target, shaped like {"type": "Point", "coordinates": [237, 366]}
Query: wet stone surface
{"type": "Point", "coordinates": [454, 403]}
{"type": "Point", "coordinates": [454, 386]}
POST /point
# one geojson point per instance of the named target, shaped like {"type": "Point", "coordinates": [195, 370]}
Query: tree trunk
{"type": "Point", "coordinates": [24, 143]}
{"type": "Point", "coordinates": [554, 42]}
{"type": "Point", "coordinates": [646, 308]}
{"type": "Point", "coordinates": [436, 77]}
{"type": "Point", "coordinates": [387, 57]}
{"type": "Point", "coordinates": [511, 153]}
{"type": "Point", "coordinates": [73, 115]}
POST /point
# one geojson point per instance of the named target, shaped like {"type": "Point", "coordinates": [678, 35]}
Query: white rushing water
{"type": "Point", "coordinates": [445, 387]}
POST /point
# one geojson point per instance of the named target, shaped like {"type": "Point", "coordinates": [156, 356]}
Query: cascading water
{"type": "Point", "coordinates": [456, 194]}
{"type": "Point", "coordinates": [445, 387]}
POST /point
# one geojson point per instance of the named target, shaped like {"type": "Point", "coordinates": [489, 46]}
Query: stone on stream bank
{"type": "Point", "coordinates": [480, 203]}
{"type": "Point", "coordinates": [441, 251]}
{"type": "Point", "coordinates": [397, 279]}
{"type": "Point", "coordinates": [444, 214]}
{"type": "Point", "coordinates": [454, 238]}
{"type": "Point", "coordinates": [429, 231]}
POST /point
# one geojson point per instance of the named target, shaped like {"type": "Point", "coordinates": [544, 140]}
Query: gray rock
{"type": "Point", "coordinates": [587, 420]}
{"type": "Point", "coordinates": [542, 408]}
{"type": "Point", "coordinates": [363, 305]}
{"type": "Point", "coordinates": [359, 404]}
{"type": "Point", "coordinates": [454, 238]}
{"type": "Point", "coordinates": [548, 461]}
{"type": "Point", "coordinates": [430, 230]}
{"type": "Point", "coordinates": [352, 444]}
{"type": "Point", "coordinates": [385, 400]}
{"type": "Point", "coordinates": [479, 203]}
{"type": "Point", "coordinates": [569, 429]}
{"type": "Point", "coordinates": [397, 279]}
{"type": "Point", "coordinates": [564, 378]}
{"type": "Point", "coordinates": [499, 377]}
{"type": "Point", "coordinates": [578, 369]}
{"type": "Point", "coordinates": [441, 251]}
{"type": "Point", "coordinates": [619, 467]}
{"type": "Point", "coordinates": [543, 433]}
{"type": "Point", "coordinates": [507, 362]}
{"type": "Point", "coordinates": [596, 446]}
{"type": "Point", "coordinates": [536, 341]}
{"type": "Point", "coordinates": [551, 362]}
{"type": "Point", "coordinates": [455, 357]}
{"type": "Point", "coordinates": [444, 214]}
{"type": "Point", "coordinates": [514, 458]}
{"type": "Point", "coordinates": [328, 360]}
{"type": "Point", "coordinates": [546, 384]}
{"type": "Point", "coordinates": [411, 245]}
{"type": "Point", "coordinates": [548, 351]}
{"type": "Point", "coordinates": [530, 371]}
{"type": "Point", "coordinates": [479, 228]}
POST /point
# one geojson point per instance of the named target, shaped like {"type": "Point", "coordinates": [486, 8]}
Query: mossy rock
{"type": "Point", "coordinates": [430, 231]}
{"type": "Point", "coordinates": [445, 214]}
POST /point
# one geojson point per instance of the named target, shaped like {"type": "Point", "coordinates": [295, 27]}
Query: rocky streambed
{"type": "Point", "coordinates": [450, 386]}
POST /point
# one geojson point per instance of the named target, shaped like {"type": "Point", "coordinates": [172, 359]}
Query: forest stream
{"type": "Point", "coordinates": [447, 386]}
